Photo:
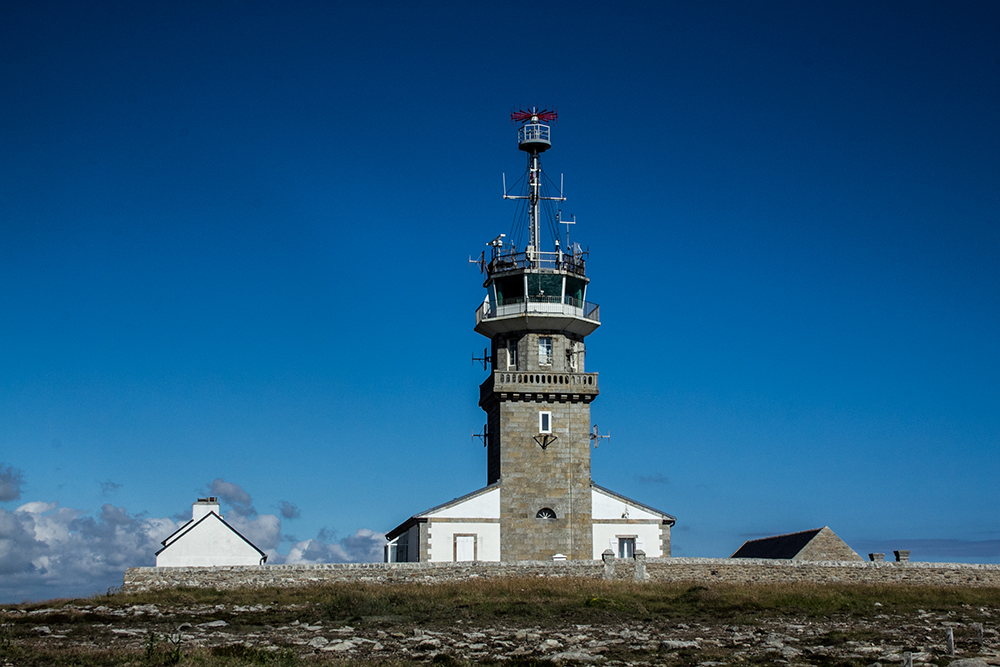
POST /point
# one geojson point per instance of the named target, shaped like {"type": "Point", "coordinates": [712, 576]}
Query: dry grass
{"type": "Point", "coordinates": [538, 603]}
{"type": "Point", "coordinates": [531, 598]}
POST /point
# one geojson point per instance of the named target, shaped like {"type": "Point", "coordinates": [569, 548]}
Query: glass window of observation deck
{"type": "Point", "coordinates": [544, 286]}
{"type": "Point", "coordinates": [574, 291]}
{"type": "Point", "coordinates": [510, 290]}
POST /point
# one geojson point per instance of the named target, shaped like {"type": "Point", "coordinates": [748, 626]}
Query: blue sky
{"type": "Point", "coordinates": [234, 244]}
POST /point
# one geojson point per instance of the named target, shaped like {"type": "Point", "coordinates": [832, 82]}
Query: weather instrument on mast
{"type": "Point", "coordinates": [533, 137]}
{"type": "Point", "coordinates": [596, 436]}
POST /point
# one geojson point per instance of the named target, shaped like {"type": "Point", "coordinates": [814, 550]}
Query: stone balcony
{"type": "Point", "coordinates": [566, 386]}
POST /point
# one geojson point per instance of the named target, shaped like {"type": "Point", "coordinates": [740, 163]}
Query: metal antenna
{"type": "Point", "coordinates": [596, 436]}
{"type": "Point", "coordinates": [485, 359]}
{"type": "Point", "coordinates": [483, 436]}
{"type": "Point", "coordinates": [481, 261]}
{"type": "Point", "coordinates": [560, 221]}
{"type": "Point", "coordinates": [533, 138]}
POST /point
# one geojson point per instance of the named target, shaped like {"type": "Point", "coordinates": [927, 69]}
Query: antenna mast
{"type": "Point", "coordinates": [533, 138]}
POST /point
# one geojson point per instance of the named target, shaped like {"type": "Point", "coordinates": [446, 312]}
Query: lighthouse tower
{"type": "Point", "coordinates": [538, 394]}
{"type": "Point", "coordinates": [539, 502]}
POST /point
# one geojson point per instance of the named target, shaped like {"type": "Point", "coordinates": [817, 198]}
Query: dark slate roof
{"type": "Point", "coordinates": [779, 546]}
{"type": "Point", "coordinates": [422, 516]}
{"type": "Point", "coordinates": [179, 530]}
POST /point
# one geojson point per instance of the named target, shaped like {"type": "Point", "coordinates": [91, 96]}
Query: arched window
{"type": "Point", "coordinates": [545, 513]}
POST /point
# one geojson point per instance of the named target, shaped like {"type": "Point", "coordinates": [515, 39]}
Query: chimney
{"type": "Point", "coordinates": [205, 506]}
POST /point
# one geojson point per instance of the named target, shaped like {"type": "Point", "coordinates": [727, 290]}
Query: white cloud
{"type": "Point", "coordinates": [234, 495]}
{"type": "Point", "coordinates": [11, 480]}
{"type": "Point", "coordinates": [364, 546]}
{"type": "Point", "coordinates": [263, 530]}
{"type": "Point", "coordinates": [109, 487]}
{"type": "Point", "coordinates": [49, 551]}
{"type": "Point", "coordinates": [37, 507]}
{"type": "Point", "coordinates": [288, 510]}
{"type": "Point", "coordinates": [18, 546]}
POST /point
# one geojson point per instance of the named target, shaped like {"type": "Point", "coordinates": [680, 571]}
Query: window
{"type": "Point", "coordinates": [574, 292]}
{"type": "Point", "coordinates": [545, 422]}
{"type": "Point", "coordinates": [546, 513]}
{"type": "Point", "coordinates": [546, 288]}
{"type": "Point", "coordinates": [510, 291]}
{"type": "Point", "coordinates": [402, 545]}
{"type": "Point", "coordinates": [626, 547]}
{"type": "Point", "coordinates": [512, 355]}
{"type": "Point", "coordinates": [544, 351]}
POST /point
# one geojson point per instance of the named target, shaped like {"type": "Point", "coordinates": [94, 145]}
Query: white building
{"type": "Point", "coordinates": [207, 541]}
{"type": "Point", "coordinates": [468, 528]}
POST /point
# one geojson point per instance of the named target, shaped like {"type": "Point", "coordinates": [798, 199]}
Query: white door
{"type": "Point", "coordinates": [465, 547]}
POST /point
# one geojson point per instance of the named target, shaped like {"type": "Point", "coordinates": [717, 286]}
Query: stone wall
{"type": "Point", "coordinates": [827, 546]}
{"type": "Point", "coordinates": [695, 570]}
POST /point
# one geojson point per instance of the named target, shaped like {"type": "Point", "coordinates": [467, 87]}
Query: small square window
{"type": "Point", "coordinates": [544, 351]}
{"type": "Point", "coordinates": [545, 422]}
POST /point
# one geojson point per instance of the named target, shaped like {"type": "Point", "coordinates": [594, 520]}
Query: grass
{"type": "Point", "coordinates": [480, 603]}
{"type": "Point", "coordinates": [529, 599]}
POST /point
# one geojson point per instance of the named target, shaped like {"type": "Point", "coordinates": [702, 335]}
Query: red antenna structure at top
{"type": "Point", "coordinates": [533, 115]}
{"type": "Point", "coordinates": [533, 137]}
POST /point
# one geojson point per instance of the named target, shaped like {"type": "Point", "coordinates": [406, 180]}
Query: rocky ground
{"type": "Point", "coordinates": [248, 634]}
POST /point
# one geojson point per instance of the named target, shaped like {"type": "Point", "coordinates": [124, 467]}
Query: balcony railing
{"type": "Point", "coordinates": [540, 305]}
{"type": "Point", "coordinates": [559, 261]}
{"type": "Point", "coordinates": [540, 382]}
{"type": "Point", "coordinates": [533, 132]}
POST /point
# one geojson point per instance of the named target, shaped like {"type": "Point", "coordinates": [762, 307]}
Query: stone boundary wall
{"type": "Point", "coordinates": [695, 570]}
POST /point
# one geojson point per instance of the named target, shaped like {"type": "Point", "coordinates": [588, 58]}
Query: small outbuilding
{"type": "Point", "coordinates": [817, 544]}
{"type": "Point", "coordinates": [208, 541]}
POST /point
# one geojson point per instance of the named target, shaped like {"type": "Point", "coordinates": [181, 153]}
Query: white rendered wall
{"type": "Point", "coordinates": [483, 506]}
{"type": "Point", "coordinates": [209, 543]}
{"type": "Point", "coordinates": [200, 509]}
{"type": "Point", "coordinates": [647, 537]}
{"type": "Point", "coordinates": [604, 506]}
{"type": "Point", "coordinates": [441, 538]}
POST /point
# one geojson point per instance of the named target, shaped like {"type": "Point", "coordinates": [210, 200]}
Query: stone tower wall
{"type": "Point", "coordinates": [556, 477]}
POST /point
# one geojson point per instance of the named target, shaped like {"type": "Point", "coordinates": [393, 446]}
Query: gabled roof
{"type": "Point", "coordinates": [170, 537]}
{"type": "Point", "coordinates": [459, 500]}
{"type": "Point", "coordinates": [192, 524]}
{"type": "Point", "coordinates": [421, 517]}
{"type": "Point", "coordinates": [625, 499]}
{"type": "Point", "coordinates": [785, 546]}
